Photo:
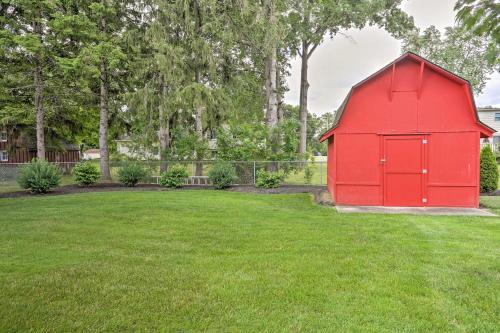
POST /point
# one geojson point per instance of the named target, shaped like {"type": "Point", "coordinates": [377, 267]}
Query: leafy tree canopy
{"type": "Point", "coordinates": [457, 50]}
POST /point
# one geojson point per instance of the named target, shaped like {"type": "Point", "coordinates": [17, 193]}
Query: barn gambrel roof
{"type": "Point", "coordinates": [487, 131]}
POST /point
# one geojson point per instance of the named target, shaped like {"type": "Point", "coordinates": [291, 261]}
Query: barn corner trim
{"type": "Point", "coordinates": [485, 130]}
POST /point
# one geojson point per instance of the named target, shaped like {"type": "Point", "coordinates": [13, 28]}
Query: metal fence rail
{"type": "Point", "coordinates": [9, 171]}
{"type": "Point", "coordinates": [295, 172]}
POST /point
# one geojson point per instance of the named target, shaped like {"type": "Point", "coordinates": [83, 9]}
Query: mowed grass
{"type": "Point", "coordinates": [221, 261]}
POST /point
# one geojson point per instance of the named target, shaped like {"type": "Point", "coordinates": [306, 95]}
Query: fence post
{"type": "Point", "coordinates": [321, 173]}
{"type": "Point", "coordinates": [254, 179]}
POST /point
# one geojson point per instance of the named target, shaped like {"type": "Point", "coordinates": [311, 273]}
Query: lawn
{"type": "Point", "coordinates": [222, 261]}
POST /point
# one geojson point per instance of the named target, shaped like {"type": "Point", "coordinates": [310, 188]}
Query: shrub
{"type": "Point", "coordinates": [489, 170]}
{"type": "Point", "coordinates": [267, 179]}
{"type": "Point", "coordinates": [86, 173]}
{"type": "Point", "coordinates": [222, 175]}
{"type": "Point", "coordinates": [175, 176]}
{"type": "Point", "coordinates": [131, 173]}
{"type": "Point", "coordinates": [39, 176]}
{"type": "Point", "coordinates": [308, 174]}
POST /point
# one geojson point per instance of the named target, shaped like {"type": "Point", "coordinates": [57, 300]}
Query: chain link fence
{"type": "Point", "coordinates": [295, 172]}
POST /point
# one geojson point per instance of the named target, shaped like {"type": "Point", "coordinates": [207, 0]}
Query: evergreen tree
{"type": "Point", "coordinates": [489, 170]}
{"type": "Point", "coordinates": [34, 92]}
{"type": "Point", "coordinates": [100, 64]}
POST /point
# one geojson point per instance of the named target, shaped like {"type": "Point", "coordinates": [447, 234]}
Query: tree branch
{"type": "Point", "coordinates": [309, 54]}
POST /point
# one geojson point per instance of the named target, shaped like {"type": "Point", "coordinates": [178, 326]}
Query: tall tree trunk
{"type": "Point", "coordinates": [199, 133]}
{"type": "Point", "coordinates": [103, 116]}
{"type": "Point", "coordinates": [103, 122]}
{"type": "Point", "coordinates": [272, 109]}
{"type": "Point", "coordinates": [279, 95]}
{"type": "Point", "coordinates": [40, 111]}
{"type": "Point", "coordinates": [198, 126]}
{"type": "Point", "coordinates": [271, 86]}
{"type": "Point", "coordinates": [164, 132]}
{"type": "Point", "coordinates": [39, 89]}
{"type": "Point", "coordinates": [304, 86]}
{"type": "Point", "coordinates": [272, 103]}
{"type": "Point", "coordinates": [199, 108]}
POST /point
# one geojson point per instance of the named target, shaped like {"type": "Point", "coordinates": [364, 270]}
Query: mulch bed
{"type": "Point", "coordinates": [320, 194]}
{"type": "Point", "coordinates": [492, 194]}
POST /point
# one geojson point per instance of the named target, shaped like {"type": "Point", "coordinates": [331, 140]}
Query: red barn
{"type": "Point", "coordinates": [406, 136]}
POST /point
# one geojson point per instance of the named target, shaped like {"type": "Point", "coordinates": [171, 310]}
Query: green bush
{"type": "Point", "coordinates": [489, 170]}
{"type": "Point", "coordinates": [86, 173]}
{"type": "Point", "coordinates": [175, 176]}
{"type": "Point", "coordinates": [267, 179]}
{"type": "Point", "coordinates": [131, 173]}
{"type": "Point", "coordinates": [308, 174]}
{"type": "Point", "coordinates": [222, 175]}
{"type": "Point", "coordinates": [39, 176]}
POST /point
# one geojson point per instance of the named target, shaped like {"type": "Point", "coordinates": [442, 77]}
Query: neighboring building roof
{"type": "Point", "coordinates": [410, 55]}
{"type": "Point", "coordinates": [488, 109]}
{"type": "Point", "coordinates": [62, 146]}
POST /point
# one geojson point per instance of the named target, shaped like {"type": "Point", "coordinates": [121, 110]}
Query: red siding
{"type": "Point", "coordinates": [358, 154]}
{"type": "Point", "coordinates": [330, 180]}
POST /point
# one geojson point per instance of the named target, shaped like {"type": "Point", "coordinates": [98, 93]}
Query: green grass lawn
{"type": "Point", "coordinates": [221, 261]}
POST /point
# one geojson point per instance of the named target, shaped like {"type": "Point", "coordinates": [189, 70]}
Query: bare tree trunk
{"type": "Point", "coordinates": [198, 125]}
{"type": "Point", "coordinates": [267, 85]}
{"type": "Point", "coordinates": [103, 116]}
{"type": "Point", "coordinates": [279, 95]}
{"type": "Point", "coordinates": [164, 132]}
{"type": "Point", "coordinates": [40, 111]}
{"type": "Point", "coordinates": [271, 86]}
{"type": "Point", "coordinates": [199, 108]}
{"type": "Point", "coordinates": [272, 109]}
{"type": "Point", "coordinates": [272, 104]}
{"type": "Point", "coordinates": [103, 123]}
{"type": "Point", "coordinates": [304, 86]}
{"type": "Point", "coordinates": [199, 133]}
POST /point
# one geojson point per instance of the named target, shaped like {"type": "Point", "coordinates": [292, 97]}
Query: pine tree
{"type": "Point", "coordinates": [34, 91]}
{"type": "Point", "coordinates": [27, 43]}
{"type": "Point", "coordinates": [489, 170]}
{"type": "Point", "coordinates": [100, 64]}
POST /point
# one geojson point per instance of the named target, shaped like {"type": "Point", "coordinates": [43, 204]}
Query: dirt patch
{"type": "Point", "coordinates": [491, 194]}
{"type": "Point", "coordinates": [321, 196]}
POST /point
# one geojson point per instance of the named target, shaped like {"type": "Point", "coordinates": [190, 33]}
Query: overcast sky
{"type": "Point", "coordinates": [341, 62]}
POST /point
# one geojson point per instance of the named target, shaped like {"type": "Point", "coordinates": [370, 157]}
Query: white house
{"type": "Point", "coordinates": [91, 154]}
{"type": "Point", "coordinates": [491, 117]}
{"type": "Point", "coordinates": [128, 147]}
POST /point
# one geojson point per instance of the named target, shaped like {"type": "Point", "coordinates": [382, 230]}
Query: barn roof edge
{"type": "Point", "coordinates": [341, 109]}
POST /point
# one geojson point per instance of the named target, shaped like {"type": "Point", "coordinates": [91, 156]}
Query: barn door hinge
{"type": "Point", "coordinates": [424, 141]}
{"type": "Point", "coordinates": [424, 200]}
